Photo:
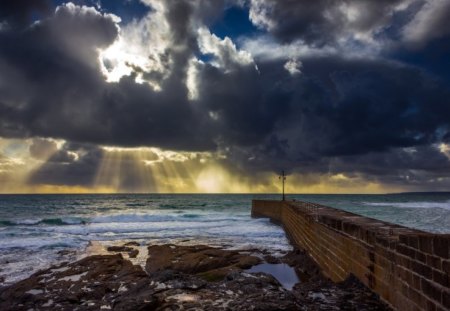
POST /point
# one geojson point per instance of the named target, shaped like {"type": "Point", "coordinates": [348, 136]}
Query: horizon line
{"type": "Point", "coordinates": [216, 193]}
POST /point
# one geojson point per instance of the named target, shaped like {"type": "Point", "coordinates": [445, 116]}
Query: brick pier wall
{"type": "Point", "coordinates": [408, 268]}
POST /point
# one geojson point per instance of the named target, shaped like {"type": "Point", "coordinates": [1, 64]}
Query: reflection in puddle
{"type": "Point", "coordinates": [282, 272]}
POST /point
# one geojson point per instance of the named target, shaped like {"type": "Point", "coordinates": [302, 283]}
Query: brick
{"type": "Point", "coordinates": [392, 244]}
{"type": "Point", "coordinates": [421, 269]}
{"type": "Point", "coordinates": [416, 281]}
{"type": "Point", "coordinates": [381, 240]}
{"type": "Point", "coordinates": [405, 250]}
{"type": "Point", "coordinates": [434, 262]}
{"type": "Point", "coordinates": [403, 239]}
{"type": "Point", "coordinates": [446, 266]}
{"type": "Point", "coordinates": [350, 228]}
{"type": "Point", "coordinates": [441, 246]}
{"type": "Point", "coordinates": [431, 290]}
{"type": "Point", "coordinates": [402, 303]}
{"type": "Point", "coordinates": [416, 297]}
{"type": "Point", "coordinates": [426, 243]}
{"type": "Point", "coordinates": [413, 241]}
{"type": "Point", "coordinates": [446, 298]}
{"type": "Point", "coordinates": [441, 278]}
{"type": "Point", "coordinates": [430, 305]}
{"type": "Point", "coordinates": [404, 261]}
{"type": "Point", "coordinates": [404, 274]}
{"type": "Point", "coordinates": [404, 289]}
{"type": "Point", "coordinates": [386, 253]}
{"type": "Point", "coordinates": [421, 257]}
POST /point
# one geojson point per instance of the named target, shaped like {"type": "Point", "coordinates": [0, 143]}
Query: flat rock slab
{"type": "Point", "coordinates": [210, 263]}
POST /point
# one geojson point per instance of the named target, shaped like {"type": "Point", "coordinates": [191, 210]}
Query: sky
{"type": "Point", "coordinates": [194, 96]}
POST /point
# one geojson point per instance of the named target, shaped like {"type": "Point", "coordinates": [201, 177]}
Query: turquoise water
{"type": "Point", "coordinates": [37, 230]}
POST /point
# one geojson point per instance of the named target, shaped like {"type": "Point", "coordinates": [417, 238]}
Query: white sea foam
{"type": "Point", "coordinates": [27, 221]}
{"type": "Point", "coordinates": [443, 205]}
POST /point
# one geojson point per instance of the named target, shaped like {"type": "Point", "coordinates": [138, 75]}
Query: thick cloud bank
{"type": "Point", "coordinates": [327, 86]}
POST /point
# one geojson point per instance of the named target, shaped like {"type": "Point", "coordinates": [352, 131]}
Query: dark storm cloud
{"type": "Point", "coordinates": [244, 115]}
{"type": "Point", "coordinates": [54, 88]}
{"type": "Point", "coordinates": [262, 118]}
{"type": "Point", "coordinates": [321, 21]}
{"type": "Point", "coordinates": [422, 168]}
{"type": "Point", "coordinates": [19, 13]}
{"type": "Point", "coordinates": [63, 168]}
{"type": "Point", "coordinates": [427, 160]}
{"type": "Point", "coordinates": [341, 107]}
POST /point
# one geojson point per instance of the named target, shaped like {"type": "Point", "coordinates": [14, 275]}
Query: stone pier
{"type": "Point", "coordinates": [409, 269]}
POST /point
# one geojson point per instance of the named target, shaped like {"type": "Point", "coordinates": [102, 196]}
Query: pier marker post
{"type": "Point", "coordinates": [283, 180]}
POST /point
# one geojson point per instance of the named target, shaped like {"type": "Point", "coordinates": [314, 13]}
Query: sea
{"type": "Point", "coordinates": [37, 231]}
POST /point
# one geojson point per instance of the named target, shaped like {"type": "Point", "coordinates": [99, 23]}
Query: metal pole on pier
{"type": "Point", "coordinates": [283, 179]}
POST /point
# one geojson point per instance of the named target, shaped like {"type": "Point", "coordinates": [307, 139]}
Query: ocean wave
{"type": "Point", "coordinates": [191, 216]}
{"type": "Point", "coordinates": [5, 223]}
{"type": "Point", "coordinates": [39, 242]}
{"type": "Point", "coordinates": [122, 218]}
{"type": "Point", "coordinates": [42, 221]}
{"type": "Point", "coordinates": [132, 218]}
{"type": "Point", "coordinates": [182, 205]}
{"type": "Point", "coordinates": [160, 218]}
{"type": "Point", "coordinates": [442, 205]}
{"type": "Point", "coordinates": [136, 204]}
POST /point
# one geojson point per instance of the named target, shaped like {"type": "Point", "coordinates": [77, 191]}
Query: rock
{"type": "Point", "coordinates": [95, 279]}
{"type": "Point", "coordinates": [124, 249]}
{"type": "Point", "coordinates": [133, 253]}
{"type": "Point", "coordinates": [238, 291]}
{"type": "Point", "coordinates": [271, 259]}
{"type": "Point", "coordinates": [211, 263]}
{"type": "Point", "coordinates": [66, 252]}
{"type": "Point", "coordinates": [181, 278]}
{"type": "Point", "coordinates": [132, 243]}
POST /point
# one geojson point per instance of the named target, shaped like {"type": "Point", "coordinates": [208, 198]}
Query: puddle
{"type": "Point", "coordinates": [282, 272]}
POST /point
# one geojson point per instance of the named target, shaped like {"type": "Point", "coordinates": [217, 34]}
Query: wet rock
{"type": "Point", "coordinates": [87, 282]}
{"type": "Point", "coordinates": [271, 259]}
{"type": "Point", "coordinates": [133, 253]}
{"type": "Point", "coordinates": [211, 263]}
{"type": "Point", "coordinates": [180, 278]}
{"type": "Point", "coordinates": [238, 291]}
{"type": "Point", "coordinates": [66, 252]}
{"type": "Point", "coordinates": [132, 243]}
{"type": "Point", "coordinates": [118, 249]}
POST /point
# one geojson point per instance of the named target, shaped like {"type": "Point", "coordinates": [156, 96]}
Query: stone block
{"type": "Point", "coordinates": [431, 290]}
{"type": "Point", "coordinates": [446, 298]}
{"type": "Point", "coordinates": [441, 278]}
{"type": "Point", "coordinates": [421, 269]}
{"type": "Point", "coordinates": [426, 243]}
{"type": "Point", "coordinates": [441, 246]}
{"type": "Point", "coordinates": [434, 262]}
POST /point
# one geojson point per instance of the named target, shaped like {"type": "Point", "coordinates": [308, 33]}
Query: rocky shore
{"type": "Point", "coordinates": [183, 278]}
